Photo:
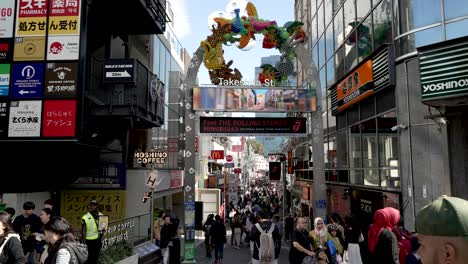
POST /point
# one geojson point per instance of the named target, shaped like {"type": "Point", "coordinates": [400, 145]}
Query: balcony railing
{"type": "Point", "coordinates": [125, 99]}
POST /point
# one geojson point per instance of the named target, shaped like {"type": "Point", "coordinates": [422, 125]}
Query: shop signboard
{"type": "Point", "coordinates": [29, 49]}
{"type": "Point", "coordinates": [59, 118]}
{"type": "Point", "coordinates": [368, 78]}
{"type": "Point", "coordinates": [217, 154]}
{"type": "Point", "coordinates": [4, 79]}
{"type": "Point", "coordinates": [6, 49]}
{"type": "Point", "coordinates": [444, 71]}
{"type": "Point", "coordinates": [7, 15]}
{"type": "Point", "coordinates": [28, 80]}
{"type": "Point", "coordinates": [61, 80]}
{"type": "Point", "coordinates": [25, 119]}
{"type": "Point", "coordinates": [119, 71]}
{"type": "Point", "coordinates": [3, 117]}
{"type": "Point", "coordinates": [31, 18]}
{"type": "Point", "coordinates": [235, 126]}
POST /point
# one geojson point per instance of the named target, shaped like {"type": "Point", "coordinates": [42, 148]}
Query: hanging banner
{"type": "Point", "coordinates": [31, 18]}
{"type": "Point", "coordinates": [59, 119]}
{"type": "Point", "coordinates": [25, 119]}
{"type": "Point", "coordinates": [4, 79]}
{"type": "Point", "coordinates": [29, 49]}
{"type": "Point", "coordinates": [235, 126]}
{"type": "Point", "coordinates": [7, 9]}
{"type": "Point", "coordinates": [253, 99]}
{"type": "Point", "coordinates": [28, 80]}
{"type": "Point", "coordinates": [61, 80]}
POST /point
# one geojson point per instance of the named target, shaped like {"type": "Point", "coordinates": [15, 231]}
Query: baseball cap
{"type": "Point", "coordinates": [93, 201]}
{"type": "Point", "coordinates": [446, 216]}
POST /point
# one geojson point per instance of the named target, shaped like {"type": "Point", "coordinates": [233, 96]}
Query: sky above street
{"type": "Point", "coordinates": [191, 27]}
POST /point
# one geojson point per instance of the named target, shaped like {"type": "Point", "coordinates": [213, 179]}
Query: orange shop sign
{"type": "Point", "coordinates": [217, 154]}
{"type": "Point", "coordinates": [355, 87]}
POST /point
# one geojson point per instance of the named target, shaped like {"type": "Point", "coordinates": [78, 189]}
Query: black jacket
{"type": "Point", "coordinates": [255, 237]}
{"type": "Point", "coordinates": [165, 237]}
{"type": "Point", "coordinates": [218, 233]}
{"type": "Point", "coordinates": [25, 227]}
{"type": "Point", "coordinates": [78, 252]}
{"type": "Point", "coordinates": [12, 252]}
{"type": "Point", "coordinates": [386, 251]}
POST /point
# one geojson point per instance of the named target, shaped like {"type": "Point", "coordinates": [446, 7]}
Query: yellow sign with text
{"type": "Point", "coordinates": [75, 204]}
{"type": "Point", "coordinates": [64, 25]}
{"type": "Point", "coordinates": [31, 26]}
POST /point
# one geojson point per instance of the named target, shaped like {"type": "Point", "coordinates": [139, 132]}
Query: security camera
{"type": "Point", "coordinates": [399, 126]}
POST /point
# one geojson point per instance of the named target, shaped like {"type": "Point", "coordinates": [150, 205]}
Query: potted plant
{"type": "Point", "coordinates": [120, 253]}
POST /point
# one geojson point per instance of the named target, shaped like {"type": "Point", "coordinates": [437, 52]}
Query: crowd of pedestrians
{"type": "Point", "coordinates": [441, 238]}
{"type": "Point", "coordinates": [48, 238]}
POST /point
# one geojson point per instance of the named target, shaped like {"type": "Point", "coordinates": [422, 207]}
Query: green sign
{"type": "Point", "coordinates": [4, 79]}
{"type": "Point", "coordinates": [444, 71]}
{"type": "Point", "coordinates": [189, 250]}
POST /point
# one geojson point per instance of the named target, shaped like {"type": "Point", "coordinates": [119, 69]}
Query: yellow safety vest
{"type": "Point", "coordinates": [91, 226]}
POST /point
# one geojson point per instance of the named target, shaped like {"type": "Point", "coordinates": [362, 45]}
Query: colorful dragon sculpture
{"type": "Point", "coordinates": [241, 30]}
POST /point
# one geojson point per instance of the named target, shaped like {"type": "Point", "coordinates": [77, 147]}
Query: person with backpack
{"type": "Point", "coordinates": [206, 228]}
{"type": "Point", "coordinates": [383, 244]}
{"type": "Point", "coordinates": [63, 249]}
{"type": "Point", "coordinates": [218, 239]}
{"type": "Point", "coordinates": [404, 240]}
{"type": "Point", "coordinates": [265, 236]}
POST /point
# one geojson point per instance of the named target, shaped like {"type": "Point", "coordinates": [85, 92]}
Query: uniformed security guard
{"type": "Point", "coordinates": [89, 232]}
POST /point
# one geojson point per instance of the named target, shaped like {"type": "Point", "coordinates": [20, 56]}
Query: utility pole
{"type": "Point", "coordinates": [313, 82]}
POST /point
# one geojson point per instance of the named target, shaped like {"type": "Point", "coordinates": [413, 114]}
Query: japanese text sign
{"type": "Point", "coordinates": [31, 18]}
{"type": "Point", "coordinates": [7, 8]}
{"type": "Point", "coordinates": [74, 204]}
{"type": "Point", "coordinates": [61, 80]}
{"type": "Point", "coordinates": [28, 80]}
{"type": "Point", "coordinates": [59, 118]}
{"type": "Point", "coordinates": [25, 119]}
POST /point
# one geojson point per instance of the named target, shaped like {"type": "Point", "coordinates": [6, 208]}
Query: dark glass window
{"type": "Point", "coordinates": [329, 42]}
{"type": "Point", "coordinates": [330, 73]}
{"type": "Point", "coordinates": [385, 100]}
{"type": "Point", "coordinates": [341, 120]}
{"type": "Point", "coordinates": [383, 23]}
{"type": "Point", "coordinates": [342, 149]}
{"type": "Point", "coordinates": [364, 36]}
{"type": "Point", "coordinates": [339, 63]}
{"type": "Point", "coordinates": [338, 25]}
{"type": "Point", "coordinates": [353, 114]}
{"type": "Point", "coordinates": [367, 108]}
{"type": "Point", "coordinates": [351, 52]}
{"type": "Point", "coordinates": [363, 8]}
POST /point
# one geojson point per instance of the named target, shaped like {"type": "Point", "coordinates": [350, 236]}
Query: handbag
{"type": "Point", "coordinates": [310, 260]}
{"type": "Point", "coordinates": [361, 238]}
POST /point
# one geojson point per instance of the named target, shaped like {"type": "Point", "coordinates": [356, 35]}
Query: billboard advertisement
{"type": "Point", "coordinates": [234, 126]}
{"type": "Point", "coordinates": [253, 99]}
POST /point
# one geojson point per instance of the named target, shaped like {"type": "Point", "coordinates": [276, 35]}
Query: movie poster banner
{"type": "Point", "coordinates": [259, 126]}
{"type": "Point", "coordinates": [253, 99]}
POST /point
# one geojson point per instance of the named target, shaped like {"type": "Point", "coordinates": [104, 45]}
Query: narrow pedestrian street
{"type": "Point", "coordinates": [235, 256]}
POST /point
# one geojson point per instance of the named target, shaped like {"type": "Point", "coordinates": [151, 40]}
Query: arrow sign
{"type": "Point", "coordinates": [26, 92]}
{"type": "Point", "coordinates": [119, 71]}
{"type": "Point", "coordinates": [119, 74]}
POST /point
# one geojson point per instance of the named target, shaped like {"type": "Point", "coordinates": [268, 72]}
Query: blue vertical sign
{"type": "Point", "coordinates": [28, 80]}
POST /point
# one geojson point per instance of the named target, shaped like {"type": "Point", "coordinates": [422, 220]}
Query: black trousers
{"type": "Point", "coordinates": [94, 247]}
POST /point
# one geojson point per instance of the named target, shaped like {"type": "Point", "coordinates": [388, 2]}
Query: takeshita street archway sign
{"type": "Point", "coordinates": [240, 31]}
{"type": "Point", "coordinates": [238, 26]}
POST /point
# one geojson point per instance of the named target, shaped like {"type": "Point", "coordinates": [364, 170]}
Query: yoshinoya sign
{"type": "Point", "coordinates": [444, 71]}
{"type": "Point", "coordinates": [119, 71]}
{"type": "Point", "coordinates": [368, 78]}
{"type": "Point", "coordinates": [226, 126]}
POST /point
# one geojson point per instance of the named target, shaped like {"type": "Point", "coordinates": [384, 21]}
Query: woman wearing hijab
{"type": "Point", "coordinates": [319, 236]}
{"type": "Point", "coordinates": [383, 244]}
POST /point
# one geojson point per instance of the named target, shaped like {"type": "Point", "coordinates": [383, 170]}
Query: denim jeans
{"type": "Point", "coordinates": [219, 250]}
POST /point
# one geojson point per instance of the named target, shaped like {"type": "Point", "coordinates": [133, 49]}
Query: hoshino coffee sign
{"type": "Point", "coordinates": [444, 71]}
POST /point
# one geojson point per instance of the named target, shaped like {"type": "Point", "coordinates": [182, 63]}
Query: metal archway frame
{"type": "Point", "coordinates": [316, 120]}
